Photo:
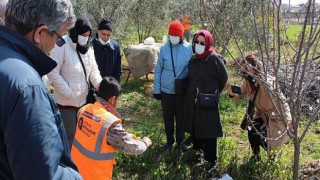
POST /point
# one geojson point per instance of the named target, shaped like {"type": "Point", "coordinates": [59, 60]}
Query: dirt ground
{"type": "Point", "coordinates": [310, 170]}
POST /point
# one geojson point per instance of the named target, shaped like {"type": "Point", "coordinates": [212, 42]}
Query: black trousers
{"type": "Point", "coordinates": [209, 147]}
{"type": "Point", "coordinates": [173, 109]}
{"type": "Point", "coordinates": [255, 138]}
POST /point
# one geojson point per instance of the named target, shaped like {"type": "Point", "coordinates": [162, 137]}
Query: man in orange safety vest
{"type": "Point", "coordinates": [99, 134]}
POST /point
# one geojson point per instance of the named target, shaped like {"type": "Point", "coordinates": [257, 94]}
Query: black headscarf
{"type": "Point", "coordinates": [81, 26]}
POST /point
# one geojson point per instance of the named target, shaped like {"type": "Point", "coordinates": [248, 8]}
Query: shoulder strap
{"type": "Point", "coordinates": [174, 71]}
{"type": "Point", "coordinates": [84, 69]}
{"type": "Point", "coordinates": [250, 108]}
{"type": "Point", "coordinates": [255, 94]}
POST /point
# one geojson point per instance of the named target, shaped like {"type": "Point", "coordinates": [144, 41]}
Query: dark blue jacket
{"type": "Point", "coordinates": [33, 143]}
{"type": "Point", "coordinates": [108, 58]}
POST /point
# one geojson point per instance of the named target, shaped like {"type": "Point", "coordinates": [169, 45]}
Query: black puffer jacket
{"type": "Point", "coordinates": [208, 75]}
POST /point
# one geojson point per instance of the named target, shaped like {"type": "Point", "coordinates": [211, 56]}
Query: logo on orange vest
{"type": "Point", "coordinates": [85, 127]}
{"type": "Point", "coordinates": [80, 123]}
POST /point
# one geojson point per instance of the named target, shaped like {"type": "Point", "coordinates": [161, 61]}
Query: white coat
{"type": "Point", "coordinates": [68, 79]}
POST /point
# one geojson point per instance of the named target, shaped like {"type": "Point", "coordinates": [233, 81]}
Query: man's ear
{"type": "Point", "coordinates": [37, 33]}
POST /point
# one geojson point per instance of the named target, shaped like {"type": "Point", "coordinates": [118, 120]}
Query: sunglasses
{"type": "Point", "coordinates": [60, 41]}
{"type": "Point", "coordinates": [201, 43]}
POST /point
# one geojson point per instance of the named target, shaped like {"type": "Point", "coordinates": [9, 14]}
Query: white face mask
{"type": "Point", "coordinates": [82, 40]}
{"type": "Point", "coordinates": [199, 49]}
{"type": "Point", "coordinates": [174, 40]}
{"type": "Point", "coordinates": [103, 42]}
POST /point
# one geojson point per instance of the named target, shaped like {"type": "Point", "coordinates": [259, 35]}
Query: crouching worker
{"type": "Point", "coordinates": [99, 134]}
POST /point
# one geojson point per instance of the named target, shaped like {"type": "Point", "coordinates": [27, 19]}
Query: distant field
{"type": "Point", "coordinates": [294, 30]}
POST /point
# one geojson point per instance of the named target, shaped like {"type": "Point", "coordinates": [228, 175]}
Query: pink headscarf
{"type": "Point", "coordinates": [208, 47]}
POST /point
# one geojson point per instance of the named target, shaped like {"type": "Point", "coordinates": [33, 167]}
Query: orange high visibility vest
{"type": "Point", "coordinates": [90, 150]}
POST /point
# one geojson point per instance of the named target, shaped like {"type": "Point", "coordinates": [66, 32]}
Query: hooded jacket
{"type": "Point", "coordinates": [33, 143]}
{"type": "Point", "coordinates": [163, 75]}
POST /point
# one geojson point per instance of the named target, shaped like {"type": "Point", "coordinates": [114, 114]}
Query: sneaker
{"type": "Point", "coordinates": [211, 167]}
{"type": "Point", "coordinates": [182, 147]}
{"type": "Point", "coordinates": [167, 147]}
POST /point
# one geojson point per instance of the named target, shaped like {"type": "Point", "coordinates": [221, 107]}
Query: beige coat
{"type": "Point", "coordinates": [276, 126]}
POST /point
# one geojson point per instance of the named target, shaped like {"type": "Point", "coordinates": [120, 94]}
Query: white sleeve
{"type": "Point", "coordinates": [58, 82]}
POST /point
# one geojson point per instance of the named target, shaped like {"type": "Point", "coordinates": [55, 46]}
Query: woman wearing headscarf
{"type": "Point", "coordinates": [172, 64]}
{"type": "Point", "coordinates": [68, 77]}
{"type": "Point", "coordinates": [207, 78]}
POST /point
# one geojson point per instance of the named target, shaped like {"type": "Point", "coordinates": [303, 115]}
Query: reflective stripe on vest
{"type": "Point", "coordinates": [96, 155]}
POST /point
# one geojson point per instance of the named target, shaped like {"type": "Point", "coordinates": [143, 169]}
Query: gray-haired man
{"type": "Point", "coordinates": [33, 142]}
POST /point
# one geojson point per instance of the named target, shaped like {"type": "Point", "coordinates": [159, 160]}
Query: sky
{"type": "Point", "coordinates": [295, 2]}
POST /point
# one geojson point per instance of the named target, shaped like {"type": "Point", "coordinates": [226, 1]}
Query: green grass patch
{"type": "Point", "coordinates": [142, 115]}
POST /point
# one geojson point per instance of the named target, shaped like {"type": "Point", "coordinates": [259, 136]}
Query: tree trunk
{"type": "Point", "coordinates": [296, 157]}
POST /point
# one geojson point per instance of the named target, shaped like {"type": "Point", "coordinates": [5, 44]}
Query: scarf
{"type": "Point", "coordinates": [208, 47]}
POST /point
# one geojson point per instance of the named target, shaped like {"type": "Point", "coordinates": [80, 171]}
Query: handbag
{"type": "Point", "coordinates": [91, 97]}
{"type": "Point", "coordinates": [207, 100]}
{"type": "Point", "coordinates": [180, 85]}
{"type": "Point", "coordinates": [250, 112]}
{"type": "Point", "coordinates": [210, 101]}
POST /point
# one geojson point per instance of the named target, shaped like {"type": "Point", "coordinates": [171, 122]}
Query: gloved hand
{"type": "Point", "coordinates": [157, 96]}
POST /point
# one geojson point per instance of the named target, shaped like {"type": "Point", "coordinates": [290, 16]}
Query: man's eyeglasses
{"type": "Point", "coordinates": [60, 41]}
{"type": "Point", "coordinates": [201, 43]}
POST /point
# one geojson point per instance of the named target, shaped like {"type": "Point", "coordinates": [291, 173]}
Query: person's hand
{"type": "Point", "coordinates": [147, 141]}
{"type": "Point", "coordinates": [157, 96]}
{"type": "Point", "coordinates": [231, 94]}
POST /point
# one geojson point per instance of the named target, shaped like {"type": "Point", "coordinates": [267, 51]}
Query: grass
{"type": "Point", "coordinates": [142, 115]}
{"type": "Point", "coordinates": [293, 31]}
